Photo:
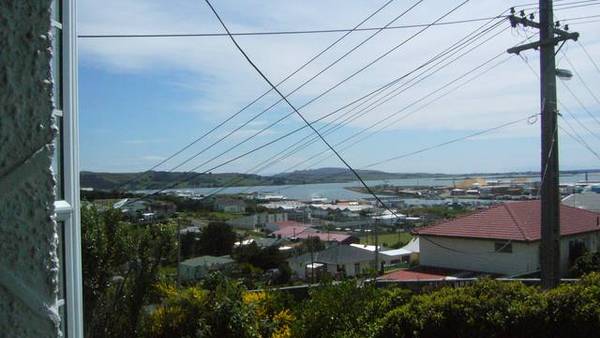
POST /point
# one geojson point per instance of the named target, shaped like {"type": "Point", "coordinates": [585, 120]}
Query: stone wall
{"type": "Point", "coordinates": [28, 260]}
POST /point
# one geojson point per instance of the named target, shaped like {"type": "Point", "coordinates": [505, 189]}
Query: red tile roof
{"type": "Point", "coordinates": [292, 231]}
{"type": "Point", "coordinates": [518, 221]}
{"type": "Point", "coordinates": [285, 224]}
{"type": "Point", "coordinates": [406, 275]}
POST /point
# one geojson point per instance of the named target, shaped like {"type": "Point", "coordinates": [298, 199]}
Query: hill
{"type": "Point", "coordinates": [161, 179]}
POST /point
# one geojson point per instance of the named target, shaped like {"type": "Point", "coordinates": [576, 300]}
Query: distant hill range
{"type": "Point", "coordinates": [162, 179]}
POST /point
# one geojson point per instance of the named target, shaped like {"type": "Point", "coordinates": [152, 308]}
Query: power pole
{"type": "Point", "coordinates": [550, 194]}
{"type": "Point", "coordinates": [178, 251]}
{"type": "Point", "coordinates": [376, 233]}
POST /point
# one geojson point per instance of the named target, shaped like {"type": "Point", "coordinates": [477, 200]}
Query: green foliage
{"type": "Point", "coordinates": [263, 258]}
{"type": "Point", "coordinates": [589, 262]}
{"type": "Point", "coordinates": [217, 239]}
{"type": "Point", "coordinates": [227, 309]}
{"type": "Point", "coordinates": [313, 244]}
{"type": "Point", "coordinates": [499, 309]}
{"type": "Point", "coordinates": [121, 262]}
{"type": "Point", "coordinates": [333, 309]}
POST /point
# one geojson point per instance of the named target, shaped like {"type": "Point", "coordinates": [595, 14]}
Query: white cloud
{"type": "Point", "coordinates": [223, 82]}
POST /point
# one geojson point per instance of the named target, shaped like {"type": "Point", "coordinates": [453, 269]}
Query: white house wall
{"type": "Point", "coordinates": [478, 255]}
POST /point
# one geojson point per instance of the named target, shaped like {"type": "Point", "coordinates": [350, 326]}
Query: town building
{"type": "Point", "coordinates": [230, 205]}
{"type": "Point", "coordinates": [258, 221]}
{"type": "Point", "coordinates": [199, 267]}
{"type": "Point", "coordinates": [505, 239]}
{"type": "Point", "coordinates": [292, 230]}
{"type": "Point", "coordinates": [588, 200]}
{"type": "Point", "coordinates": [337, 261]}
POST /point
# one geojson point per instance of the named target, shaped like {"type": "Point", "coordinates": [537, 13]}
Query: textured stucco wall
{"type": "Point", "coordinates": [28, 261]}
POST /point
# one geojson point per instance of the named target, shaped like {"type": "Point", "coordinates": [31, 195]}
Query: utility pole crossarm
{"type": "Point", "coordinates": [562, 35]}
{"type": "Point", "coordinates": [538, 44]}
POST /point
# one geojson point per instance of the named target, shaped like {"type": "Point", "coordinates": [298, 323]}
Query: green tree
{"type": "Point", "coordinates": [332, 310]}
{"type": "Point", "coordinates": [120, 264]}
{"type": "Point", "coordinates": [217, 239]}
{"type": "Point", "coordinates": [588, 262]}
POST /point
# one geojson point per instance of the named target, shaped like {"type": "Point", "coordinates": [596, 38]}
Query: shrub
{"type": "Point", "coordinates": [499, 309]}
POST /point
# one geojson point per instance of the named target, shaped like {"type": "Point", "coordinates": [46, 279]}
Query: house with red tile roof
{"type": "Point", "coordinates": [296, 230]}
{"type": "Point", "coordinates": [505, 239]}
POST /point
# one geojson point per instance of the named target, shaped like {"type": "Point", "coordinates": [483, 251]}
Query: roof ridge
{"type": "Point", "coordinates": [444, 220]}
{"type": "Point", "coordinates": [580, 209]}
{"type": "Point", "coordinates": [506, 206]}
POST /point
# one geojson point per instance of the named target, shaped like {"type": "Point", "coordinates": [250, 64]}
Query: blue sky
{"type": "Point", "coordinates": [143, 99]}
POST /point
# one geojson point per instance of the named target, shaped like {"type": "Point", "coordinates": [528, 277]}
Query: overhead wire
{"type": "Point", "coordinates": [582, 80]}
{"type": "Point", "coordinates": [460, 43]}
{"type": "Point", "coordinates": [319, 31]}
{"type": "Point", "coordinates": [574, 135]}
{"type": "Point", "coordinates": [234, 115]}
{"type": "Point", "coordinates": [390, 95]}
{"type": "Point", "coordinates": [288, 32]}
{"type": "Point", "coordinates": [321, 95]}
{"type": "Point", "coordinates": [451, 141]}
{"type": "Point", "coordinates": [396, 91]}
{"type": "Point", "coordinates": [196, 174]}
{"type": "Point", "coordinates": [404, 116]}
{"type": "Point", "coordinates": [439, 97]}
{"type": "Point", "coordinates": [300, 114]}
{"type": "Point", "coordinates": [322, 71]}
{"type": "Point", "coordinates": [589, 56]}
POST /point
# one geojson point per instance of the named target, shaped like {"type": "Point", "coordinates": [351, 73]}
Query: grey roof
{"type": "Point", "coordinates": [230, 202]}
{"type": "Point", "coordinates": [338, 254]}
{"type": "Point", "coordinates": [207, 261]}
{"type": "Point", "coordinates": [267, 242]}
{"type": "Point", "coordinates": [586, 200]}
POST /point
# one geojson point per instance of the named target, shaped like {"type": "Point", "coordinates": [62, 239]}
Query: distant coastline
{"type": "Point", "coordinates": [160, 179]}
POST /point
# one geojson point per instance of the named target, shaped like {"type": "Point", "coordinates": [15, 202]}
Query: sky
{"type": "Point", "coordinates": [143, 99]}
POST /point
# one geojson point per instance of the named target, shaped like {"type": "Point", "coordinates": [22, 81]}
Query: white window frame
{"type": "Point", "coordinates": [68, 209]}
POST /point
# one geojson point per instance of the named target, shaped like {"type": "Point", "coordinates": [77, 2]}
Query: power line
{"type": "Point", "coordinates": [439, 97]}
{"type": "Point", "coordinates": [455, 48]}
{"type": "Point", "coordinates": [173, 185]}
{"type": "Point", "coordinates": [395, 92]}
{"type": "Point", "coordinates": [273, 159]}
{"type": "Point", "coordinates": [385, 119]}
{"type": "Point", "coordinates": [414, 103]}
{"type": "Point", "coordinates": [579, 140]}
{"type": "Point", "coordinates": [581, 79]}
{"type": "Point", "coordinates": [579, 102]}
{"type": "Point", "coordinates": [579, 23]}
{"type": "Point", "coordinates": [426, 104]}
{"type": "Point", "coordinates": [588, 55]}
{"type": "Point", "coordinates": [296, 110]}
{"type": "Point", "coordinates": [581, 18]}
{"type": "Point", "coordinates": [314, 31]}
{"type": "Point", "coordinates": [198, 139]}
{"type": "Point", "coordinates": [564, 108]}
{"type": "Point", "coordinates": [455, 140]}
{"type": "Point", "coordinates": [189, 159]}
{"type": "Point", "coordinates": [294, 32]}
{"type": "Point", "coordinates": [423, 106]}
{"type": "Point", "coordinates": [568, 5]}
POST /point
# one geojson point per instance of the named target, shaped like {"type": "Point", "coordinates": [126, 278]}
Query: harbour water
{"type": "Point", "coordinates": [338, 191]}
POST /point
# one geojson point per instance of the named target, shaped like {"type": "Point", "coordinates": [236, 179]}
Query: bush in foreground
{"type": "Point", "coordinates": [499, 309]}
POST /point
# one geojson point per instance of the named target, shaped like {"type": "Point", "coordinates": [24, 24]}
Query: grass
{"type": "Point", "coordinates": [386, 239]}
